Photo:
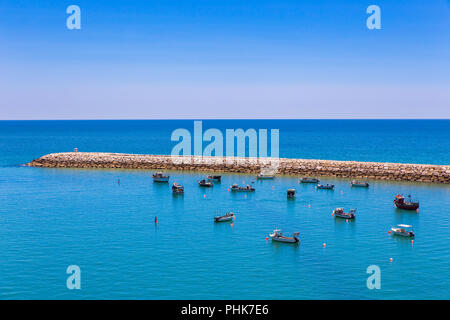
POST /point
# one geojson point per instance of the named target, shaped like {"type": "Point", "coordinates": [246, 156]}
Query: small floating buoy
{"type": "Point", "coordinates": [309, 206]}
{"type": "Point", "coordinates": [389, 231]}
{"type": "Point", "coordinates": [390, 259]}
{"type": "Point", "coordinates": [332, 214]}
{"type": "Point", "coordinates": [412, 241]}
{"type": "Point", "coordinates": [417, 210]}
{"type": "Point", "coordinates": [324, 244]}
{"type": "Point", "coordinates": [346, 220]}
{"type": "Point", "coordinates": [156, 220]}
{"type": "Point", "coordinates": [118, 182]}
{"type": "Point", "coordinates": [204, 196]}
{"type": "Point", "coordinates": [228, 189]}
{"type": "Point", "coordinates": [267, 238]}
{"type": "Point", "coordinates": [245, 196]}
{"type": "Point", "coordinates": [232, 225]}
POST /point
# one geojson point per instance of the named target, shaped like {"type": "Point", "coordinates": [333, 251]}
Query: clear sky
{"type": "Point", "coordinates": [224, 59]}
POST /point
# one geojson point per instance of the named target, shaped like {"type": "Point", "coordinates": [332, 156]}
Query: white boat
{"type": "Point", "coordinates": [160, 177]}
{"type": "Point", "coordinates": [227, 217]}
{"type": "Point", "coordinates": [204, 183]}
{"type": "Point", "coordinates": [247, 188]}
{"type": "Point", "coordinates": [309, 180]}
{"type": "Point", "coordinates": [264, 176]}
{"type": "Point", "coordinates": [277, 235]}
{"type": "Point", "coordinates": [403, 230]}
{"type": "Point", "coordinates": [339, 213]}
{"type": "Point", "coordinates": [362, 184]}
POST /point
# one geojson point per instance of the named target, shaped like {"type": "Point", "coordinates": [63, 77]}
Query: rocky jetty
{"type": "Point", "coordinates": [282, 166]}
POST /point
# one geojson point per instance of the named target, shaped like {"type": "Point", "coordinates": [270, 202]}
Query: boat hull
{"type": "Point", "coordinates": [406, 206]}
{"type": "Point", "coordinates": [310, 181]}
{"type": "Point", "coordinates": [242, 190]}
{"type": "Point", "coordinates": [265, 178]}
{"type": "Point", "coordinates": [404, 234]}
{"type": "Point", "coordinates": [285, 240]}
{"type": "Point", "coordinates": [337, 215]}
{"type": "Point", "coordinates": [223, 219]}
{"type": "Point", "coordinates": [325, 187]}
{"type": "Point", "coordinates": [360, 185]}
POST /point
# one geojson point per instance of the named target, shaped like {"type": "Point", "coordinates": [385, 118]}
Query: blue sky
{"type": "Point", "coordinates": [224, 59]}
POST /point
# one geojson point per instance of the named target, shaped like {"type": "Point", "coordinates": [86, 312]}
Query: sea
{"type": "Point", "coordinates": [135, 240]}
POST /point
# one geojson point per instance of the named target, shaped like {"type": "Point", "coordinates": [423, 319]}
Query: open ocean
{"type": "Point", "coordinates": [53, 218]}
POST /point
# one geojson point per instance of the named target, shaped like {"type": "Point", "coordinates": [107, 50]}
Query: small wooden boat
{"type": "Point", "coordinates": [214, 178]}
{"type": "Point", "coordinates": [265, 176]}
{"type": "Point", "coordinates": [309, 180]}
{"type": "Point", "coordinates": [325, 186]}
{"type": "Point", "coordinates": [401, 203]}
{"type": "Point", "coordinates": [403, 230]}
{"type": "Point", "coordinates": [227, 217]}
{"type": "Point", "coordinates": [339, 213]}
{"type": "Point", "coordinates": [247, 188]}
{"type": "Point", "coordinates": [277, 235]}
{"type": "Point", "coordinates": [177, 188]}
{"type": "Point", "coordinates": [160, 177]}
{"type": "Point", "coordinates": [362, 184]}
{"type": "Point", "coordinates": [291, 193]}
{"type": "Point", "coordinates": [204, 183]}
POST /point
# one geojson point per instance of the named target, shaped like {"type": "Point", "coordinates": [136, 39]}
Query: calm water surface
{"type": "Point", "coordinates": [53, 218]}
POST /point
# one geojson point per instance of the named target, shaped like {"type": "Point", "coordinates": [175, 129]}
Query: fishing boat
{"type": "Point", "coordinates": [264, 176]}
{"type": "Point", "coordinates": [226, 217]}
{"type": "Point", "coordinates": [401, 203]}
{"type": "Point", "coordinates": [204, 183]}
{"type": "Point", "coordinates": [309, 180]}
{"type": "Point", "coordinates": [403, 230]}
{"type": "Point", "coordinates": [247, 188]}
{"type": "Point", "coordinates": [214, 178]}
{"type": "Point", "coordinates": [339, 213]}
{"type": "Point", "coordinates": [277, 235]}
{"type": "Point", "coordinates": [177, 188]}
{"type": "Point", "coordinates": [291, 193]}
{"type": "Point", "coordinates": [362, 184]}
{"type": "Point", "coordinates": [325, 186]}
{"type": "Point", "coordinates": [160, 177]}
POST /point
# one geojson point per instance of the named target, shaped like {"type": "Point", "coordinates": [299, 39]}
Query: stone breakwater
{"type": "Point", "coordinates": [297, 167]}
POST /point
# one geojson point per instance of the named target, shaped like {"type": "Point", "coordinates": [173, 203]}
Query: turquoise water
{"type": "Point", "coordinates": [53, 218]}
